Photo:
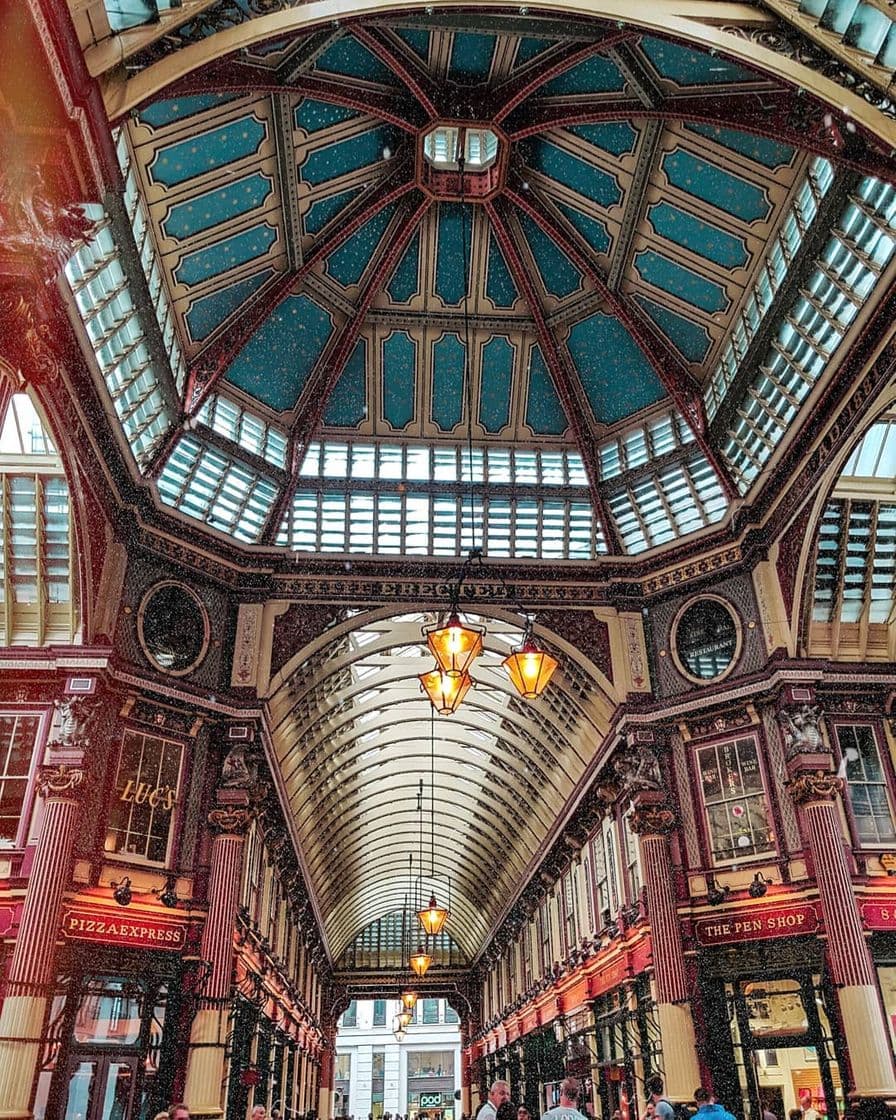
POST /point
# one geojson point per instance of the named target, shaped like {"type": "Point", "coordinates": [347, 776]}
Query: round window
{"type": "Point", "coordinates": [173, 628]}
{"type": "Point", "coordinates": [706, 639]}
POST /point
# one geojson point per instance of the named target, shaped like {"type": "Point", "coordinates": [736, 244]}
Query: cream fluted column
{"type": "Point", "coordinates": [653, 819]}
{"type": "Point", "coordinates": [32, 970]}
{"type": "Point", "coordinates": [206, 1058]}
{"type": "Point", "coordinates": [849, 959]}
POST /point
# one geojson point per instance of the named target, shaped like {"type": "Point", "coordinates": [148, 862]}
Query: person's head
{"type": "Point", "coordinates": [522, 1113]}
{"type": "Point", "coordinates": [161, 1115]}
{"type": "Point", "coordinates": [655, 1086]}
{"type": "Point", "coordinates": [795, 1114]}
{"type": "Point", "coordinates": [259, 1112]}
{"type": "Point", "coordinates": [506, 1110]}
{"type": "Point", "coordinates": [701, 1095]}
{"type": "Point", "coordinates": [499, 1092]}
{"type": "Point", "coordinates": [569, 1090]}
{"type": "Point", "coordinates": [651, 1109]}
{"type": "Point", "coordinates": [178, 1112]}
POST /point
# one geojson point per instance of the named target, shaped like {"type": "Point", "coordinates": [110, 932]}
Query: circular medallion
{"type": "Point", "coordinates": [173, 628]}
{"type": "Point", "coordinates": [706, 639]}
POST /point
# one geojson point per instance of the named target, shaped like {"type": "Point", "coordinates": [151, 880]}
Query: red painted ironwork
{"type": "Point", "coordinates": [419, 86]}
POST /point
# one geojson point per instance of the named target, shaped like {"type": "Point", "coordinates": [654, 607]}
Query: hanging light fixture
{"type": "Point", "coordinates": [454, 643]}
{"type": "Point", "coordinates": [404, 1017]}
{"type": "Point", "coordinates": [529, 667]}
{"type": "Point", "coordinates": [433, 916]}
{"type": "Point", "coordinates": [399, 1033]}
{"type": "Point", "coordinates": [409, 999]}
{"type": "Point", "coordinates": [445, 691]}
{"type": "Point", "coordinates": [420, 961]}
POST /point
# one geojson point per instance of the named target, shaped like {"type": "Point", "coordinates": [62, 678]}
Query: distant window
{"type": "Point", "coordinates": [430, 1011]}
{"type": "Point", "coordinates": [451, 1016]}
{"type": "Point", "coordinates": [866, 785]}
{"type": "Point", "coordinates": [379, 1012]}
{"type": "Point", "coordinates": [18, 734]}
{"type": "Point", "coordinates": [350, 1015]}
{"type": "Point", "coordinates": [737, 810]}
{"type": "Point", "coordinates": [146, 793]}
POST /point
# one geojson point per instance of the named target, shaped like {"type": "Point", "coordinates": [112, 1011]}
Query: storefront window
{"type": "Point", "coordinates": [886, 975]}
{"type": "Point", "coordinates": [146, 794]}
{"type": "Point", "coordinates": [866, 784]}
{"type": "Point", "coordinates": [776, 1008]}
{"type": "Point", "coordinates": [569, 909]}
{"type": "Point", "coordinates": [431, 1063]}
{"type": "Point", "coordinates": [737, 811]}
{"type": "Point", "coordinates": [109, 1012]}
{"type": "Point", "coordinates": [17, 737]}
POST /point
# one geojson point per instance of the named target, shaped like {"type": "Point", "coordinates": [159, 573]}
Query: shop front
{"type": "Point", "coordinates": [768, 1008]}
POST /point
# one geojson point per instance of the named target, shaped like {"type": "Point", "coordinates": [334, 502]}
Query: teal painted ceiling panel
{"type": "Point", "coordinates": [347, 264]}
{"type": "Point", "coordinates": [471, 58]}
{"type": "Point", "coordinates": [179, 108]}
{"type": "Point", "coordinates": [671, 277]}
{"type": "Point", "coordinates": [399, 379]}
{"type": "Point", "coordinates": [700, 237]}
{"type": "Point", "coordinates": [529, 48]}
{"type": "Point", "coordinates": [416, 39]}
{"type": "Point", "coordinates": [351, 59]}
{"type": "Point", "coordinates": [347, 406]}
{"type": "Point", "coordinates": [594, 75]}
{"type": "Point", "coordinates": [450, 277]}
{"type": "Point", "coordinates": [347, 155]}
{"type": "Point", "coordinates": [615, 137]}
{"type": "Point", "coordinates": [592, 229]}
{"type": "Point", "coordinates": [207, 314]}
{"type": "Point", "coordinates": [321, 212]}
{"type": "Point", "coordinates": [760, 149]}
{"type": "Point", "coordinates": [499, 285]}
{"type": "Point", "coordinates": [275, 363]}
{"type": "Point", "coordinates": [688, 67]}
{"type": "Point", "coordinates": [312, 116]}
{"type": "Point", "coordinates": [617, 378]}
{"type": "Point", "coordinates": [584, 178]}
{"type": "Point", "coordinates": [196, 215]}
{"type": "Point", "coordinates": [225, 255]}
{"type": "Point", "coordinates": [558, 275]}
{"type": "Point", "coordinates": [208, 151]}
{"type": "Point", "coordinates": [496, 384]}
{"type": "Point", "coordinates": [448, 361]}
{"type": "Point", "coordinates": [544, 412]}
{"type": "Point", "coordinates": [405, 281]}
{"type": "Point", "coordinates": [690, 339]}
{"type": "Point", "coordinates": [716, 186]}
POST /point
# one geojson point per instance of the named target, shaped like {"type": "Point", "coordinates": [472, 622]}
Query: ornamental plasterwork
{"type": "Point", "coordinates": [233, 822]}
{"type": "Point", "coordinates": [653, 820]}
{"type": "Point", "coordinates": [817, 786]}
{"type": "Point", "coordinates": [60, 781]}
{"type": "Point", "coordinates": [802, 733]}
{"type": "Point", "coordinates": [247, 646]}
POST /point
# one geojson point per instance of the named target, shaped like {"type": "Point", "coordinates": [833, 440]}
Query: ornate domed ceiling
{"type": "Point", "coordinates": [636, 252]}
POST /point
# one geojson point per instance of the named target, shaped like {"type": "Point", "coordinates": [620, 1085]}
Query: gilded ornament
{"type": "Point", "coordinates": [818, 786]}
{"type": "Point", "coordinates": [57, 781]}
{"type": "Point", "coordinates": [231, 821]}
{"type": "Point", "coordinates": [658, 820]}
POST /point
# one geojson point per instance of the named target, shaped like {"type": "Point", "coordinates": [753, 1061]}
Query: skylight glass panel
{"type": "Point", "coordinates": [844, 277]}
{"type": "Point", "coordinates": [244, 428]}
{"type": "Point", "coordinates": [875, 457]}
{"type": "Point", "coordinates": [211, 487]}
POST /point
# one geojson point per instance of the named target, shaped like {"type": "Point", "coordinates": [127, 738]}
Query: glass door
{"type": "Point", "coordinates": [100, 1087]}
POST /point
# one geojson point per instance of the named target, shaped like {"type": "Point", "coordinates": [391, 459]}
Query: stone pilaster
{"type": "Point", "coordinates": [32, 969]}
{"type": "Point", "coordinates": [206, 1058]}
{"type": "Point", "coordinates": [653, 819]}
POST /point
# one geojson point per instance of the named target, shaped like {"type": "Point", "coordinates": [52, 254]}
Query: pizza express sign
{"type": "Point", "coordinates": [137, 932]}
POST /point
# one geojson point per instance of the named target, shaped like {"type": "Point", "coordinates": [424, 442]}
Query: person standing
{"type": "Point", "coordinates": [708, 1107]}
{"type": "Point", "coordinates": [499, 1092]}
{"type": "Point", "coordinates": [568, 1108]}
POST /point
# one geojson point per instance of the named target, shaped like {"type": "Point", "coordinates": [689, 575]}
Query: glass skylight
{"type": "Point", "coordinates": [640, 445]}
{"type": "Point", "coordinates": [845, 275]}
{"type": "Point", "coordinates": [223, 493]}
{"type": "Point", "coordinates": [244, 428]}
{"type": "Point", "coordinates": [441, 146]}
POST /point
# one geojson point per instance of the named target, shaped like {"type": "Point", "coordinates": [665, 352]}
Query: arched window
{"type": "Point", "coordinates": [38, 575]}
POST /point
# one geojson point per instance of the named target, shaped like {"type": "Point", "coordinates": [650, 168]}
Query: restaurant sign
{"type": "Point", "coordinates": [757, 925]}
{"type": "Point", "coordinates": [879, 915]}
{"type": "Point", "coordinates": [130, 931]}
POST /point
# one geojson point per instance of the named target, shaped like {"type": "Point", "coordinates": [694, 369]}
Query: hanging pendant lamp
{"type": "Point", "coordinates": [404, 1018]}
{"type": "Point", "coordinates": [445, 691]}
{"type": "Point", "coordinates": [433, 916]}
{"type": "Point", "coordinates": [409, 999]}
{"type": "Point", "coordinates": [529, 667]}
{"type": "Point", "coordinates": [420, 962]}
{"type": "Point", "coordinates": [454, 645]}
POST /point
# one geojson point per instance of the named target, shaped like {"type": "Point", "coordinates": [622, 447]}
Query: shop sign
{"type": "Point", "coordinates": [879, 915]}
{"type": "Point", "coordinates": [757, 925]}
{"type": "Point", "coordinates": [430, 1100]}
{"type": "Point", "coordinates": [131, 931]}
{"type": "Point", "coordinates": [10, 916]}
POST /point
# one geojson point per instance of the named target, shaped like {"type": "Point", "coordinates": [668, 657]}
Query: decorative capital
{"type": "Point", "coordinates": [60, 781]}
{"type": "Point", "coordinates": [802, 734]}
{"type": "Point", "coordinates": [819, 785]}
{"type": "Point", "coordinates": [656, 820]}
{"type": "Point", "coordinates": [233, 822]}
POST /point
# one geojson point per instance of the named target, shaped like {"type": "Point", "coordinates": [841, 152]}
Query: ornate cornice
{"type": "Point", "coordinates": [816, 785]}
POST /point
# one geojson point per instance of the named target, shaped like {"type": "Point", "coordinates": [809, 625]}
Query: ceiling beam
{"type": "Point", "coordinates": [324, 377]}
{"type": "Point", "coordinates": [776, 114]}
{"type": "Point", "coordinates": [419, 84]}
{"type": "Point", "coordinates": [669, 368]}
{"type": "Point", "coordinates": [210, 364]}
{"type": "Point", "coordinates": [548, 66]}
{"type": "Point", "coordinates": [576, 409]}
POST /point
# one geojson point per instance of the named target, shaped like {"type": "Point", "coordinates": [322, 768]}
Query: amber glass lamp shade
{"type": "Point", "coordinates": [404, 1017]}
{"type": "Point", "coordinates": [433, 916]}
{"type": "Point", "coordinates": [454, 645]}
{"type": "Point", "coordinates": [420, 962]}
{"type": "Point", "coordinates": [445, 692]}
{"type": "Point", "coordinates": [409, 999]}
{"type": "Point", "coordinates": [530, 669]}
{"type": "Point", "coordinates": [399, 1034]}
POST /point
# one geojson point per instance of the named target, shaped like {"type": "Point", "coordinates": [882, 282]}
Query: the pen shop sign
{"type": "Point", "coordinates": [757, 925]}
{"type": "Point", "coordinates": [127, 931]}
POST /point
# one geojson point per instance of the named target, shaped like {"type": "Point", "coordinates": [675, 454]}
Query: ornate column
{"type": "Point", "coordinates": [205, 1061]}
{"type": "Point", "coordinates": [653, 819]}
{"type": "Point", "coordinates": [326, 1073]}
{"type": "Point", "coordinates": [32, 970]}
{"type": "Point", "coordinates": [815, 792]}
